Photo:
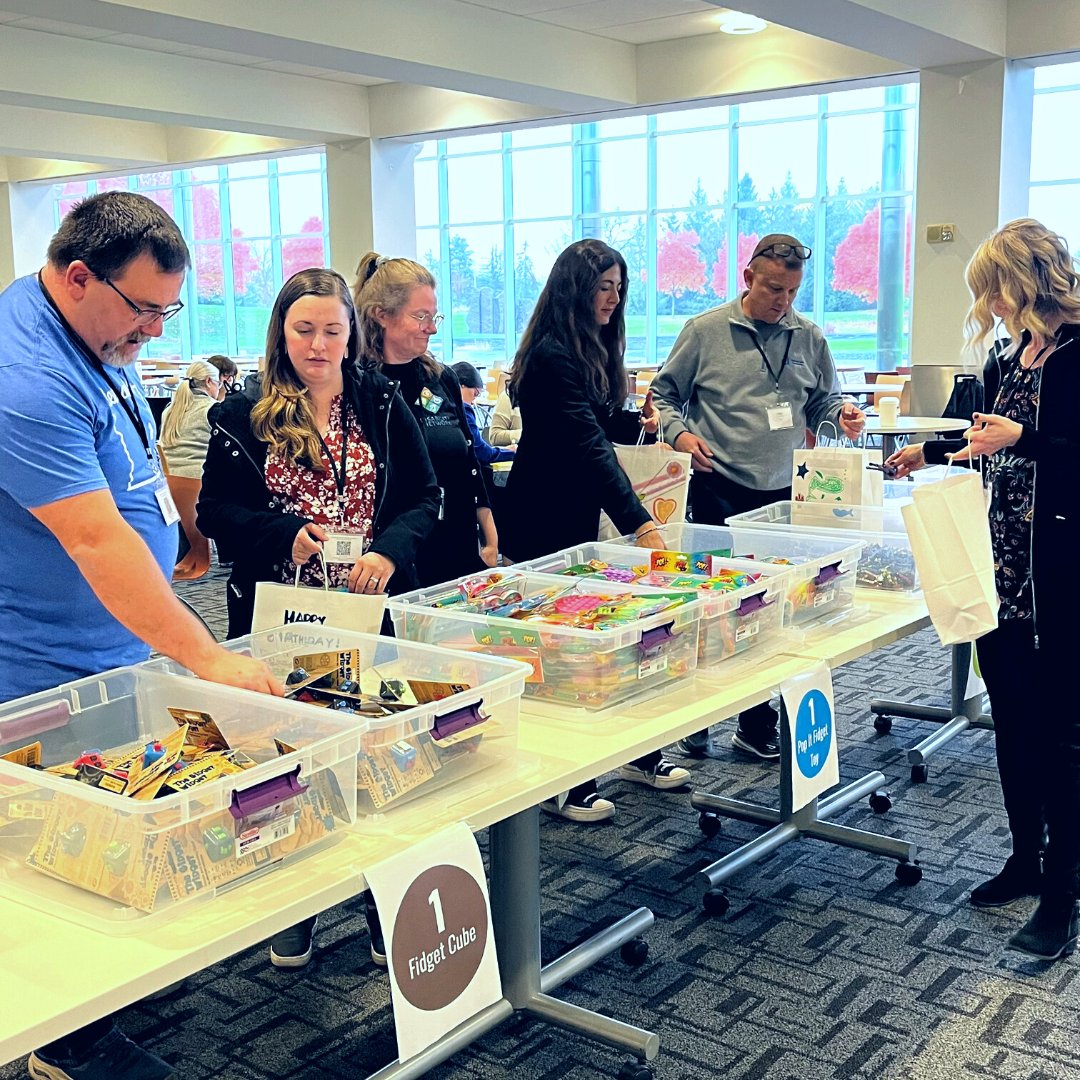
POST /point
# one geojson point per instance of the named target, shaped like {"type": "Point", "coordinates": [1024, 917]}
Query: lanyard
{"type": "Point", "coordinates": [783, 363]}
{"type": "Point", "coordinates": [99, 367]}
{"type": "Point", "coordinates": [339, 474]}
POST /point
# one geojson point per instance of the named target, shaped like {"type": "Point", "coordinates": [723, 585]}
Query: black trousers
{"type": "Point", "coordinates": [1037, 733]}
{"type": "Point", "coordinates": [713, 499]}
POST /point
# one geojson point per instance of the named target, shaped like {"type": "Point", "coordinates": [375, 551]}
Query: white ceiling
{"type": "Point", "coordinates": [96, 85]}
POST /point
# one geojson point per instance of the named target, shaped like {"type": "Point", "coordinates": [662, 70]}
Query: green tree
{"type": "Point", "coordinates": [461, 270]}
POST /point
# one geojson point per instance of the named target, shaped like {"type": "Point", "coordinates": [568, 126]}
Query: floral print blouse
{"type": "Point", "coordinates": [314, 495]}
{"type": "Point", "coordinates": [1012, 486]}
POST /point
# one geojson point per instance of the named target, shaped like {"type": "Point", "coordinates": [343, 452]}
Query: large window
{"type": "Point", "coordinates": [684, 196]}
{"type": "Point", "coordinates": [1055, 159]}
{"type": "Point", "coordinates": [250, 226]}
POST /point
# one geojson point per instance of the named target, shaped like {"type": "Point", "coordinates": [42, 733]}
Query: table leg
{"type": "Point", "coordinates": [515, 916]}
{"type": "Point", "coordinates": [961, 714]}
{"type": "Point", "coordinates": [810, 820]}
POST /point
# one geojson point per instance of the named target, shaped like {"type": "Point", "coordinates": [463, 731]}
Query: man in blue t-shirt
{"type": "Point", "coordinates": [89, 536]}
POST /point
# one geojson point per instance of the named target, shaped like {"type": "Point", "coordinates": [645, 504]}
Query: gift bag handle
{"type": "Point", "coordinates": [818, 438]}
{"type": "Point", "coordinates": [322, 566]}
{"type": "Point", "coordinates": [659, 431]}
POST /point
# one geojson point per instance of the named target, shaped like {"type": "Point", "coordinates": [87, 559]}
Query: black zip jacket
{"type": "Point", "coordinates": [238, 510]}
{"type": "Point", "coordinates": [565, 471]}
{"type": "Point", "coordinates": [1054, 445]}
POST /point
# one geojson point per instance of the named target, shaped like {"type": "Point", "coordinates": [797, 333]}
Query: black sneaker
{"type": "Point", "coordinates": [766, 747]}
{"type": "Point", "coordinates": [114, 1057]}
{"type": "Point", "coordinates": [695, 745]}
{"type": "Point", "coordinates": [378, 944]}
{"type": "Point", "coordinates": [1051, 932]}
{"type": "Point", "coordinates": [1017, 879]}
{"type": "Point", "coordinates": [292, 948]}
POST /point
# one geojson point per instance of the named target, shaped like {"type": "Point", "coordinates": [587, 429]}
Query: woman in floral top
{"type": "Point", "coordinates": [1025, 276]}
{"type": "Point", "coordinates": [328, 449]}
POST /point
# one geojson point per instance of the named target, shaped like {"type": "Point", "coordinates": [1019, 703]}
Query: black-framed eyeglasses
{"type": "Point", "coordinates": [144, 316]}
{"type": "Point", "coordinates": [785, 251]}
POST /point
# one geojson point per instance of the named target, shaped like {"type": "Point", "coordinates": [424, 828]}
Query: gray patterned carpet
{"type": "Point", "coordinates": [825, 968]}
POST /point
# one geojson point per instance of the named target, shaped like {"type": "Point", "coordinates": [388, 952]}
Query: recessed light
{"type": "Point", "coordinates": [737, 22]}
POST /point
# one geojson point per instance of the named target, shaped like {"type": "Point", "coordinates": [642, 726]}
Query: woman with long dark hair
{"type": "Point", "coordinates": [570, 383]}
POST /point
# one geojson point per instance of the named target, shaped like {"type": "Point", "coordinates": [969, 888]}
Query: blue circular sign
{"type": "Point", "coordinates": [813, 733]}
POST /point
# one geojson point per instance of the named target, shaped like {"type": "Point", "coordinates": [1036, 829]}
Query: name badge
{"type": "Point", "coordinates": [343, 547]}
{"type": "Point", "coordinates": [430, 401]}
{"type": "Point", "coordinates": [165, 503]}
{"type": "Point", "coordinates": [780, 417]}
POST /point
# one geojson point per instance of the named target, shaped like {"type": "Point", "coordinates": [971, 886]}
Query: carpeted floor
{"type": "Point", "coordinates": [825, 968]}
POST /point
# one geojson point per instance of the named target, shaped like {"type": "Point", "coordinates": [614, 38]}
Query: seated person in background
{"type": "Point", "coordinates": [471, 385]}
{"type": "Point", "coordinates": [505, 426]}
{"type": "Point", "coordinates": [230, 373]}
{"type": "Point", "coordinates": [185, 429]}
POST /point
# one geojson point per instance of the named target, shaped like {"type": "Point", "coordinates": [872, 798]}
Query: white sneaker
{"type": "Point", "coordinates": [663, 776]}
{"type": "Point", "coordinates": [590, 809]}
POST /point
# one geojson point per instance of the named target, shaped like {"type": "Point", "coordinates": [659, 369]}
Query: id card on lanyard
{"type": "Point", "coordinates": [779, 413]}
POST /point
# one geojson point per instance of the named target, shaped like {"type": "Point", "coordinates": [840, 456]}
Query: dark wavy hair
{"type": "Point", "coordinates": [565, 318]}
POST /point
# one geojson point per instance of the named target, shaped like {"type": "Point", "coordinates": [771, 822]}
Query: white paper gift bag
{"type": "Point", "coordinates": [282, 604]}
{"type": "Point", "coordinates": [661, 479]}
{"type": "Point", "coordinates": [950, 539]}
{"type": "Point", "coordinates": [831, 475]}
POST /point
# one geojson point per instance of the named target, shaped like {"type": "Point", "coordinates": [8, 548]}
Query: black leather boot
{"type": "Point", "coordinates": [1020, 876]}
{"type": "Point", "coordinates": [1052, 931]}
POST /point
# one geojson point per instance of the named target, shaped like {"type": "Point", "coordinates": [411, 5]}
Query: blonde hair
{"type": "Point", "coordinates": [385, 285]}
{"type": "Point", "coordinates": [284, 416]}
{"type": "Point", "coordinates": [1029, 268]}
{"type": "Point", "coordinates": [184, 400]}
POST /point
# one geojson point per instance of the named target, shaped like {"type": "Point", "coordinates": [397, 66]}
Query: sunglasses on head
{"type": "Point", "coordinates": [785, 251]}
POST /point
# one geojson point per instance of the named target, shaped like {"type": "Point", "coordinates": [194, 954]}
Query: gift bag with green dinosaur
{"type": "Point", "coordinates": [828, 477]}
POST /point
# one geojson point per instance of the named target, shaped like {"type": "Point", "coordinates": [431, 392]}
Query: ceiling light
{"type": "Point", "coordinates": [736, 22]}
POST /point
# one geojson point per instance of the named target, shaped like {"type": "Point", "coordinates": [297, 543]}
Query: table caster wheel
{"type": "Point", "coordinates": [709, 824]}
{"type": "Point", "coordinates": [636, 1070]}
{"type": "Point", "coordinates": [880, 802]}
{"type": "Point", "coordinates": [883, 724]}
{"type": "Point", "coordinates": [634, 951]}
{"type": "Point", "coordinates": [908, 873]}
{"type": "Point", "coordinates": [919, 774]}
{"type": "Point", "coordinates": [715, 902]}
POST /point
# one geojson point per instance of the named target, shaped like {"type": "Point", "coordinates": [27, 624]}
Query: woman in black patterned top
{"type": "Point", "coordinates": [1025, 276]}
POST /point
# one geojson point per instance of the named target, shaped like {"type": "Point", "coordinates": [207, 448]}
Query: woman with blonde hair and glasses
{"type": "Point", "coordinates": [397, 314]}
{"type": "Point", "coordinates": [1025, 276]}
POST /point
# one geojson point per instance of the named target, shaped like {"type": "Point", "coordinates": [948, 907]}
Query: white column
{"type": "Point", "coordinates": [370, 200]}
{"type": "Point", "coordinates": [27, 224]}
{"type": "Point", "coordinates": [973, 165]}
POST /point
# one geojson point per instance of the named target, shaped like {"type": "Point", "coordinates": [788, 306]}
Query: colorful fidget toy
{"type": "Point", "coordinates": [597, 569]}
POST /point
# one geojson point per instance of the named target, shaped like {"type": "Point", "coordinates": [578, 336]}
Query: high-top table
{"type": "Point", "coordinates": [910, 425]}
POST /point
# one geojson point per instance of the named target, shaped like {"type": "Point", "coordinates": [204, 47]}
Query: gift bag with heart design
{"type": "Point", "coordinates": [661, 478]}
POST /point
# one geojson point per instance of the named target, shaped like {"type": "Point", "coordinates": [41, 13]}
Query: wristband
{"type": "Point", "coordinates": [650, 529]}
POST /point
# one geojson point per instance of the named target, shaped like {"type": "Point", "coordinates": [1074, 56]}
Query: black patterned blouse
{"type": "Point", "coordinates": [1012, 483]}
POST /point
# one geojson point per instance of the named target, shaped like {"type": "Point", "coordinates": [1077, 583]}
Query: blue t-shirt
{"type": "Point", "coordinates": [63, 432]}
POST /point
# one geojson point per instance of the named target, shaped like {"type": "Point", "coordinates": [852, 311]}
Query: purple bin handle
{"type": "Point", "coordinates": [442, 727]}
{"type": "Point", "coordinates": [656, 637]}
{"type": "Point", "coordinates": [47, 718]}
{"type": "Point", "coordinates": [828, 573]}
{"type": "Point", "coordinates": [752, 604]}
{"type": "Point", "coordinates": [259, 796]}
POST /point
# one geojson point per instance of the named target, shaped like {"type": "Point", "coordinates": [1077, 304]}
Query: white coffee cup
{"type": "Point", "coordinates": [888, 409]}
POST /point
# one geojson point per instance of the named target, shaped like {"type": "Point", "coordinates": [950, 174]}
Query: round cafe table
{"type": "Point", "coordinates": [911, 425]}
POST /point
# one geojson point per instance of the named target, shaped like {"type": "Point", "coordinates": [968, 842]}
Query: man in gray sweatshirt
{"type": "Point", "coordinates": [740, 387]}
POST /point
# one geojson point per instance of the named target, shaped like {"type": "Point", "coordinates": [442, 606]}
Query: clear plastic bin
{"type": "Point", "coordinates": [740, 628]}
{"type": "Point", "coordinates": [114, 862]}
{"type": "Point", "coordinates": [886, 565]}
{"type": "Point", "coordinates": [821, 584]}
{"type": "Point", "coordinates": [572, 667]}
{"type": "Point", "coordinates": [422, 748]}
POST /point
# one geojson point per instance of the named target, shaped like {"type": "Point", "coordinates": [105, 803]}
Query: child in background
{"type": "Point", "coordinates": [471, 385]}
